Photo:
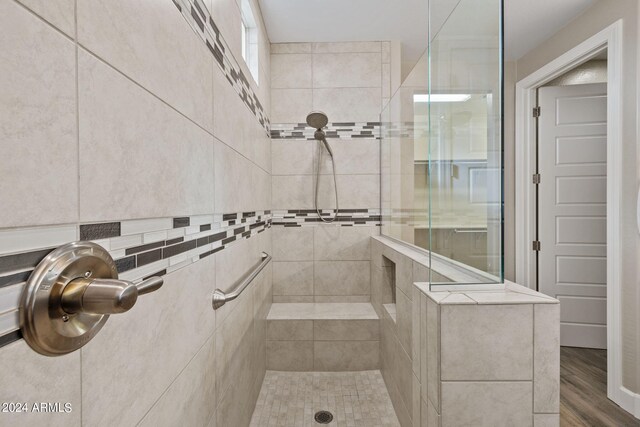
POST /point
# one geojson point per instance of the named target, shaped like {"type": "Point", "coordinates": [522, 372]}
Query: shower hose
{"type": "Point", "coordinates": [335, 184]}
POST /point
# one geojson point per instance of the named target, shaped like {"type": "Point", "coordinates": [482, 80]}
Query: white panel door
{"type": "Point", "coordinates": [572, 224]}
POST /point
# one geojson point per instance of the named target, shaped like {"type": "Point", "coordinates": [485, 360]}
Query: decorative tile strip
{"type": "Point", "coordinates": [309, 217]}
{"type": "Point", "coordinates": [340, 130]}
{"type": "Point", "coordinates": [140, 248]}
{"type": "Point", "coordinates": [199, 19]}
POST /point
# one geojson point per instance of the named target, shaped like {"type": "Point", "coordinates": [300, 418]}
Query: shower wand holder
{"type": "Point", "coordinates": [70, 295]}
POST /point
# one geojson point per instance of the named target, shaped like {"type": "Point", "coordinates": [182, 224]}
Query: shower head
{"type": "Point", "coordinates": [317, 119]}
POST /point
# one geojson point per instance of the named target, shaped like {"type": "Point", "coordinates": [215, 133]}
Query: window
{"type": "Point", "coordinates": [249, 39]}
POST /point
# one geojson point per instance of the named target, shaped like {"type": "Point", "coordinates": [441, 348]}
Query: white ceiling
{"type": "Point", "coordinates": [352, 20]}
{"type": "Point", "coordinates": [527, 22]}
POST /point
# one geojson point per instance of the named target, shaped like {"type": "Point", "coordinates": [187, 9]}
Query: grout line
{"type": "Point", "coordinates": [210, 337]}
{"type": "Point", "coordinates": [77, 226]}
{"type": "Point", "coordinates": [533, 357]}
{"type": "Point", "coordinates": [104, 61]}
{"type": "Point", "coordinates": [77, 105]}
{"type": "Point", "coordinates": [45, 21]}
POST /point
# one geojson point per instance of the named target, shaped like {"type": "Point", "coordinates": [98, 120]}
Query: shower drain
{"type": "Point", "coordinates": [323, 417]}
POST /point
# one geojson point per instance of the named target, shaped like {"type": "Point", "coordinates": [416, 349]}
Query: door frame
{"type": "Point", "coordinates": [525, 144]}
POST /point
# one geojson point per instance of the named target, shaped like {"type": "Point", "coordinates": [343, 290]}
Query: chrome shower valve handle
{"type": "Point", "coordinates": [70, 295]}
{"type": "Point", "coordinates": [104, 296]}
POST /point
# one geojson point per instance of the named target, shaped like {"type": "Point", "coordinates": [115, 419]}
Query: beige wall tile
{"type": "Point", "coordinates": [403, 377]}
{"type": "Point", "coordinates": [292, 192]}
{"type": "Point", "coordinates": [30, 377]}
{"type": "Point", "coordinates": [292, 243]}
{"type": "Point", "coordinates": [416, 331]}
{"type": "Point", "coordinates": [38, 121]}
{"type": "Point", "coordinates": [492, 404]}
{"type": "Point", "coordinates": [342, 298]}
{"type": "Point", "coordinates": [432, 353]}
{"type": "Point", "coordinates": [342, 70]}
{"type": "Point", "coordinates": [429, 416]}
{"type": "Point", "coordinates": [236, 404]}
{"type": "Point", "coordinates": [293, 157]}
{"type": "Point", "coordinates": [233, 123]}
{"type": "Point", "coordinates": [404, 275]}
{"type": "Point", "coordinates": [404, 321]}
{"type": "Point", "coordinates": [487, 342]}
{"type": "Point", "coordinates": [60, 13]}
{"type": "Point", "coordinates": [292, 71]}
{"type": "Point", "coordinates": [386, 81]}
{"type": "Point", "coordinates": [261, 154]}
{"type": "Point", "coordinates": [227, 16]}
{"type": "Point", "coordinates": [165, 315]}
{"type": "Point", "coordinates": [345, 355]}
{"type": "Point", "coordinates": [546, 356]}
{"type": "Point", "coordinates": [376, 288]}
{"type": "Point", "coordinates": [546, 420]}
{"type": "Point", "coordinates": [346, 330]}
{"type": "Point", "coordinates": [290, 105]}
{"type": "Point", "coordinates": [293, 298]}
{"type": "Point", "coordinates": [233, 185]}
{"type": "Point", "coordinates": [290, 355]}
{"type": "Point", "coordinates": [191, 398]}
{"type": "Point", "coordinates": [353, 157]}
{"type": "Point", "coordinates": [342, 243]}
{"type": "Point", "coordinates": [344, 47]}
{"type": "Point", "coordinates": [290, 330]}
{"type": "Point", "coordinates": [342, 278]}
{"type": "Point", "coordinates": [416, 403]}
{"type": "Point", "coordinates": [291, 48]}
{"type": "Point", "coordinates": [293, 278]}
{"type": "Point", "coordinates": [232, 265]}
{"type": "Point", "coordinates": [119, 139]}
{"type": "Point", "coordinates": [354, 191]}
{"type": "Point", "coordinates": [347, 104]}
{"type": "Point", "coordinates": [234, 342]}
{"type": "Point", "coordinates": [150, 43]}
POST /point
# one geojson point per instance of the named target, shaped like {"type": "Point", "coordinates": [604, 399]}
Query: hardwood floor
{"type": "Point", "coordinates": [583, 391]}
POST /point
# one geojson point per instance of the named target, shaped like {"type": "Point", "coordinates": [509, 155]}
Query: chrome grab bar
{"type": "Point", "coordinates": [220, 298]}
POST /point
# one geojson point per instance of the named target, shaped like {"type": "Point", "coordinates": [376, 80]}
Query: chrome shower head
{"type": "Point", "coordinates": [317, 119]}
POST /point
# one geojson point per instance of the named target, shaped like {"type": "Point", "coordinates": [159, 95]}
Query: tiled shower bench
{"type": "Point", "coordinates": [322, 337]}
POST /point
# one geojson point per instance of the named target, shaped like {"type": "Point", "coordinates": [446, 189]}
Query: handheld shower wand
{"type": "Point", "coordinates": [318, 120]}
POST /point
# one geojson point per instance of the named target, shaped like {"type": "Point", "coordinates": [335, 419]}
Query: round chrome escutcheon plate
{"type": "Point", "coordinates": [45, 326]}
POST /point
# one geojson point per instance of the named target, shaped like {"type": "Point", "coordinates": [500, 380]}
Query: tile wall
{"type": "Point", "coordinates": [482, 358]}
{"type": "Point", "coordinates": [350, 81]}
{"type": "Point", "coordinates": [137, 125]}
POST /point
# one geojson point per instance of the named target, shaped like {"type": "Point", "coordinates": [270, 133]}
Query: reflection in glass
{"type": "Point", "coordinates": [442, 146]}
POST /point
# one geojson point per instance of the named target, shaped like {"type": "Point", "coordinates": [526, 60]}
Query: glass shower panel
{"type": "Point", "coordinates": [465, 140]}
{"type": "Point", "coordinates": [441, 146]}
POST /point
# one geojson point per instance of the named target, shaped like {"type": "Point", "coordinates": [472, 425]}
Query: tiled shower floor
{"type": "Point", "coordinates": [354, 398]}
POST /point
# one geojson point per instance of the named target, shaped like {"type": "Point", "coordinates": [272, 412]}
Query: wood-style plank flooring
{"type": "Point", "coordinates": [583, 391]}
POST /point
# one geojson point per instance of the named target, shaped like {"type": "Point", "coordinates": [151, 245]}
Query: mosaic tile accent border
{"type": "Point", "coordinates": [140, 248]}
{"type": "Point", "coordinates": [197, 16]}
{"type": "Point", "coordinates": [309, 217]}
{"type": "Point", "coordinates": [340, 130]}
